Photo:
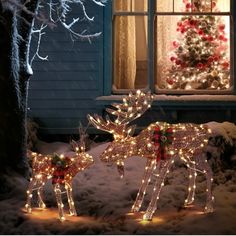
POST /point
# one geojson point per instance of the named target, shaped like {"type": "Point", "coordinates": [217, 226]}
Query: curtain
{"type": "Point", "coordinates": [125, 48]}
{"type": "Point", "coordinates": [166, 33]}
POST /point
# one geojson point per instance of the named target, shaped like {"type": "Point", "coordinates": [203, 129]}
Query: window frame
{"type": "Point", "coordinates": [151, 84]}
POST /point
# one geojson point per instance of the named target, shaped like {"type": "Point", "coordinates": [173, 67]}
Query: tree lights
{"type": "Point", "coordinates": [200, 56]}
{"type": "Point", "coordinates": [161, 143]}
{"type": "Point", "coordinates": [61, 169]}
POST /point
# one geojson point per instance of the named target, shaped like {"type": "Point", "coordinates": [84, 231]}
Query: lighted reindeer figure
{"type": "Point", "coordinates": [161, 143]}
{"type": "Point", "coordinates": [61, 169]}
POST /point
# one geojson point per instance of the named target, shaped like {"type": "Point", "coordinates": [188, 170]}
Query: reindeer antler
{"type": "Point", "coordinates": [133, 106]}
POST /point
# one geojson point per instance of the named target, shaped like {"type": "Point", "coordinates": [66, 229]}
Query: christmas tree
{"type": "Point", "coordinates": [200, 57]}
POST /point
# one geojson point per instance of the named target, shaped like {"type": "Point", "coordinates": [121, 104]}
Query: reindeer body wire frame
{"type": "Point", "coordinates": [61, 169]}
{"type": "Point", "coordinates": [171, 141]}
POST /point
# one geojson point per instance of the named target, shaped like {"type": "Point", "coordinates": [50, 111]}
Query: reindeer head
{"type": "Point", "coordinates": [133, 106]}
{"type": "Point", "coordinates": [83, 159]}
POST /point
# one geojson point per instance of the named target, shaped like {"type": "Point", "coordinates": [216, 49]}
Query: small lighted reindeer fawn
{"type": "Point", "coordinates": [161, 143]}
{"type": "Point", "coordinates": [61, 169]}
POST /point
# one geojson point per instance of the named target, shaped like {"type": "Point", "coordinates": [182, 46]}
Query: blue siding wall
{"type": "Point", "coordinates": [62, 90]}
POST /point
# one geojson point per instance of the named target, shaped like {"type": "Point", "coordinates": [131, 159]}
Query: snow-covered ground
{"type": "Point", "coordinates": [103, 202]}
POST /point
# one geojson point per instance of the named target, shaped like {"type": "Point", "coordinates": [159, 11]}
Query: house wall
{"type": "Point", "coordinates": [62, 89]}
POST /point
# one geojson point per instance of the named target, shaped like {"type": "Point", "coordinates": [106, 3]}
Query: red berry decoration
{"type": "Point", "coordinates": [172, 58]}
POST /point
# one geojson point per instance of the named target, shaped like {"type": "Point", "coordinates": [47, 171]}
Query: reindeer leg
{"type": "Point", "coordinates": [192, 184]}
{"type": "Point", "coordinates": [40, 199]}
{"type": "Point", "coordinates": [57, 190]}
{"type": "Point", "coordinates": [29, 192]}
{"type": "Point", "coordinates": [70, 199]}
{"type": "Point", "coordinates": [209, 178]}
{"type": "Point", "coordinates": [157, 189]}
{"type": "Point", "coordinates": [150, 165]}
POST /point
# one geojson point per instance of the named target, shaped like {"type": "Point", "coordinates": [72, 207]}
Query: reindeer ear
{"type": "Point", "coordinates": [120, 168]}
{"type": "Point", "coordinates": [74, 145]}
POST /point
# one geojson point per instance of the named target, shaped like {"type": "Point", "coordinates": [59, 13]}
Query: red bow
{"type": "Point", "coordinates": [162, 139]}
{"type": "Point", "coordinates": [58, 176]}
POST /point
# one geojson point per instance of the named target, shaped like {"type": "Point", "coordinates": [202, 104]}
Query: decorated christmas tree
{"type": "Point", "coordinates": [200, 57]}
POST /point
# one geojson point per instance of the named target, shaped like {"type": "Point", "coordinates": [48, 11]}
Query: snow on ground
{"type": "Point", "coordinates": [103, 202]}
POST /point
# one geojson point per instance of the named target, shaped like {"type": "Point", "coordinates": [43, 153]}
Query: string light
{"type": "Point", "coordinates": [61, 169]}
{"type": "Point", "coordinates": [161, 143]}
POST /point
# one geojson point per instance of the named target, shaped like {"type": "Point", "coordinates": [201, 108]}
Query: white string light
{"type": "Point", "coordinates": [44, 168]}
{"type": "Point", "coordinates": [186, 141]}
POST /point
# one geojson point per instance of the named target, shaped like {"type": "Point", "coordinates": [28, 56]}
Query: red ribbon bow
{"type": "Point", "coordinates": [60, 169]}
{"type": "Point", "coordinates": [162, 139]}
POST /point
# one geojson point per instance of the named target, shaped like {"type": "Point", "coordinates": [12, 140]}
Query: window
{"type": "Point", "coordinates": [173, 46]}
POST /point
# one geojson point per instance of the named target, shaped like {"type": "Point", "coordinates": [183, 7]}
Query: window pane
{"type": "Point", "coordinates": [222, 6]}
{"type": "Point", "coordinates": [130, 52]}
{"type": "Point", "coordinates": [164, 5]}
{"type": "Point", "coordinates": [193, 54]}
{"type": "Point", "coordinates": [193, 5]}
{"type": "Point", "coordinates": [130, 5]}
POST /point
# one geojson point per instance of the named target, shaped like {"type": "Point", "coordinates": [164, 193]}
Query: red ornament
{"type": "Point", "coordinates": [175, 44]}
{"type": "Point", "coordinates": [188, 5]}
{"type": "Point", "coordinates": [210, 38]}
{"type": "Point", "coordinates": [172, 58]}
{"type": "Point", "coordinates": [200, 65]}
{"type": "Point", "coordinates": [216, 58]}
{"type": "Point", "coordinates": [221, 37]}
{"type": "Point", "coordinates": [192, 22]}
{"type": "Point", "coordinates": [210, 60]}
{"type": "Point", "coordinates": [182, 30]}
{"type": "Point", "coordinates": [179, 24]}
{"type": "Point", "coordinates": [178, 62]}
{"type": "Point", "coordinates": [225, 64]}
{"type": "Point", "coordinates": [225, 39]}
{"type": "Point", "coordinates": [170, 81]}
{"type": "Point", "coordinates": [200, 32]}
{"type": "Point", "coordinates": [221, 27]}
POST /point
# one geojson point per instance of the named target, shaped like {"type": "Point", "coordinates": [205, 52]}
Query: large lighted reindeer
{"type": "Point", "coordinates": [61, 169]}
{"type": "Point", "coordinates": [161, 143]}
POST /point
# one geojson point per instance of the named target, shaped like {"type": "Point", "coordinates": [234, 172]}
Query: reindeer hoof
{"type": "Point", "coordinates": [28, 208]}
{"type": "Point", "coordinates": [147, 216]}
{"type": "Point", "coordinates": [188, 203]}
{"type": "Point", "coordinates": [208, 209]}
{"type": "Point", "coordinates": [135, 209]}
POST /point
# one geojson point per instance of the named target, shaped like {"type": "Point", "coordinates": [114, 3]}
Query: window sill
{"type": "Point", "coordinates": [182, 100]}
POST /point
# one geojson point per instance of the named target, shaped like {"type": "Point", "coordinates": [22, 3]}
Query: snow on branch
{"type": "Point", "coordinates": [40, 33]}
{"type": "Point", "coordinates": [64, 8]}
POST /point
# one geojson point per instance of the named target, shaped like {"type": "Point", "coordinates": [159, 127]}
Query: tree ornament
{"type": "Point", "coordinates": [222, 27]}
{"type": "Point", "coordinates": [202, 48]}
{"type": "Point", "coordinates": [161, 143]}
{"type": "Point", "coordinates": [62, 170]}
{"type": "Point", "coordinates": [214, 73]}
